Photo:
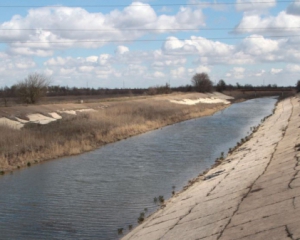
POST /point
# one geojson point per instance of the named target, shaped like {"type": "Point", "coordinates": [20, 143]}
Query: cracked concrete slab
{"type": "Point", "coordinates": [259, 225]}
{"type": "Point", "coordinates": [294, 229]}
{"type": "Point", "coordinates": [195, 231]}
{"type": "Point", "coordinates": [253, 194]}
{"type": "Point", "coordinates": [261, 212]}
{"type": "Point", "coordinates": [272, 234]}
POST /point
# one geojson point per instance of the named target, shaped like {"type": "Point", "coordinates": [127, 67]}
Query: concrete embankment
{"type": "Point", "coordinates": [253, 194]}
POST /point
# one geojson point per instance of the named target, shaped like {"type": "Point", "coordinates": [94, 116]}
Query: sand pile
{"type": "Point", "coordinates": [39, 118]}
{"type": "Point", "coordinates": [10, 123]}
{"type": "Point", "coordinates": [200, 100]}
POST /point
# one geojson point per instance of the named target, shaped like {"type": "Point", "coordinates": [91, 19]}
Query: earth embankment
{"type": "Point", "coordinates": [35, 133]}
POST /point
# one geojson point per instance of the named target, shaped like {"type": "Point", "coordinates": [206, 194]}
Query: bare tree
{"type": "Point", "coordinates": [32, 88]}
{"type": "Point", "coordinates": [202, 83]}
{"type": "Point", "coordinates": [3, 95]}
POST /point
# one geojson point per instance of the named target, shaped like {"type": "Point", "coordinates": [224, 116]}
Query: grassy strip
{"type": "Point", "coordinates": [87, 131]}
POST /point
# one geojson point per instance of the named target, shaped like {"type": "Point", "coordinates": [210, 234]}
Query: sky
{"type": "Point", "coordinates": [139, 44]}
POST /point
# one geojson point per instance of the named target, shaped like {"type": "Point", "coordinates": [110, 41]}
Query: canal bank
{"type": "Point", "coordinates": [34, 134]}
{"type": "Point", "coordinates": [253, 194]}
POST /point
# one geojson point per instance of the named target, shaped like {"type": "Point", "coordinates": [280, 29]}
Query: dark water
{"type": "Point", "coordinates": [92, 195]}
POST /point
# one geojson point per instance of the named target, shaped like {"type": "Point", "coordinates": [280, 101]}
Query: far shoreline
{"type": "Point", "coordinates": [177, 113]}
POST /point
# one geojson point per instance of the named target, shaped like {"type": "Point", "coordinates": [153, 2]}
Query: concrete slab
{"type": "Point", "coordinates": [261, 212]}
{"type": "Point", "coordinates": [273, 234]}
{"type": "Point", "coordinates": [294, 230]}
{"type": "Point", "coordinates": [195, 231]}
{"type": "Point", "coordinates": [257, 196]}
{"type": "Point", "coordinates": [263, 224]}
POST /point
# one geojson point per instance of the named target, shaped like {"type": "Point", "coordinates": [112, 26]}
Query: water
{"type": "Point", "coordinates": [91, 195]}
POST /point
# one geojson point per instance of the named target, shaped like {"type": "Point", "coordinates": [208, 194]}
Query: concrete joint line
{"type": "Point", "coordinates": [289, 234]}
{"type": "Point", "coordinates": [294, 198]}
{"type": "Point", "coordinates": [260, 232]}
{"type": "Point", "coordinates": [179, 220]}
{"type": "Point", "coordinates": [214, 187]}
{"type": "Point", "coordinates": [293, 178]}
{"type": "Point", "coordinates": [294, 205]}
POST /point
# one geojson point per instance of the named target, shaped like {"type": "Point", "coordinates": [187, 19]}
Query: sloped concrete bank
{"type": "Point", "coordinates": [253, 194]}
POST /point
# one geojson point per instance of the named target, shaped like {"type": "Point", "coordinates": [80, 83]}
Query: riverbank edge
{"type": "Point", "coordinates": [201, 177]}
{"type": "Point", "coordinates": [208, 112]}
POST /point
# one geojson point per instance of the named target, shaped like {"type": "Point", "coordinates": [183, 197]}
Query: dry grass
{"type": "Point", "coordinates": [87, 131]}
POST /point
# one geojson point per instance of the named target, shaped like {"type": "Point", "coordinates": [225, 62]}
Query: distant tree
{"type": "Point", "coordinates": [298, 86]}
{"type": "Point", "coordinates": [202, 82]}
{"type": "Point", "coordinates": [4, 95]}
{"type": "Point", "coordinates": [32, 88]}
{"type": "Point", "coordinates": [248, 86]}
{"type": "Point", "coordinates": [221, 86]}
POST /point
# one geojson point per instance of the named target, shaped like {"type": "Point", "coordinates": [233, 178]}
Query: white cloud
{"type": "Point", "coordinates": [86, 69]}
{"type": "Point", "coordinates": [178, 73]}
{"type": "Point", "coordinates": [268, 24]}
{"type": "Point", "coordinates": [25, 64]}
{"type": "Point", "coordinates": [44, 39]}
{"type": "Point", "coordinates": [257, 45]}
{"type": "Point", "coordinates": [294, 68]}
{"type": "Point", "coordinates": [259, 73]}
{"type": "Point", "coordinates": [59, 61]}
{"type": "Point", "coordinates": [254, 5]}
{"type": "Point", "coordinates": [196, 45]}
{"type": "Point", "coordinates": [202, 68]}
{"type": "Point", "coordinates": [121, 50]}
{"type": "Point", "coordinates": [48, 72]}
{"type": "Point", "coordinates": [158, 74]}
{"type": "Point", "coordinates": [237, 73]}
{"type": "Point", "coordinates": [103, 59]}
{"type": "Point", "coordinates": [294, 8]}
{"type": "Point", "coordinates": [66, 71]}
{"type": "Point", "coordinates": [276, 70]}
{"type": "Point", "coordinates": [92, 59]}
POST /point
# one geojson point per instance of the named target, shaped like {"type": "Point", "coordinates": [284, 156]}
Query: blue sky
{"type": "Point", "coordinates": [147, 43]}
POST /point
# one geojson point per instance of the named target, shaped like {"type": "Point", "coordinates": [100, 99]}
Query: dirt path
{"type": "Point", "coordinates": [253, 194]}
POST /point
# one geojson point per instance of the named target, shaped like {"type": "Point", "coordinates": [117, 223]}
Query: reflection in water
{"type": "Point", "coordinates": [91, 195]}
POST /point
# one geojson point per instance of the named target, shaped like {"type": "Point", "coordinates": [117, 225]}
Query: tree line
{"type": "Point", "coordinates": [35, 86]}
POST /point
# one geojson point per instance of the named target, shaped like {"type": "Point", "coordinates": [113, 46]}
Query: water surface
{"type": "Point", "coordinates": [91, 195]}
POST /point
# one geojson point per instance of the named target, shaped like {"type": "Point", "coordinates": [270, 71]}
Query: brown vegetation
{"type": "Point", "coordinates": [87, 131]}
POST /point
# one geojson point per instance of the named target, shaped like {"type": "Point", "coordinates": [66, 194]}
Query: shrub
{"type": "Point", "coordinates": [159, 90]}
{"type": "Point", "coordinates": [161, 199]}
{"type": "Point", "coordinates": [141, 218]}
